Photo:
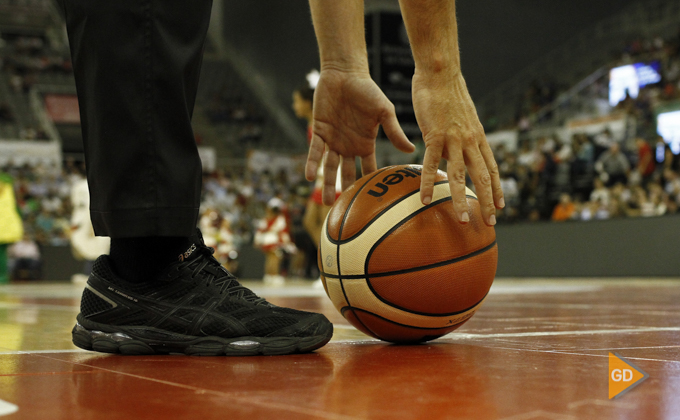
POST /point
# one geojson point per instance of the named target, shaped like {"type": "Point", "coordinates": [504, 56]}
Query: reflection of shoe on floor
{"type": "Point", "coordinates": [195, 307]}
{"type": "Point", "coordinates": [79, 279]}
{"type": "Point", "coordinates": [273, 280]}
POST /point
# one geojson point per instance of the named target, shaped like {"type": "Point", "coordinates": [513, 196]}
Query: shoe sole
{"type": "Point", "coordinates": [127, 343]}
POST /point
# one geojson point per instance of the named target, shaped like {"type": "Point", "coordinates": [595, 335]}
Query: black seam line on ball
{"type": "Point", "coordinates": [351, 309]}
{"type": "Point", "coordinates": [430, 314]}
{"type": "Point", "coordinates": [349, 206]}
{"type": "Point", "coordinates": [400, 224]}
{"type": "Point", "coordinates": [328, 235]}
{"type": "Point", "coordinates": [404, 325]}
{"type": "Point", "coordinates": [411, 270]}
{"type": "Point", "coordinates": [342, 225]}
{"type": "Point", "coordinates": [385, 210]}
{"type": "Point", "coordinates": [370, 222]}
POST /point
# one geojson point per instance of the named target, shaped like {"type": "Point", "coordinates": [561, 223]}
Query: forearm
{"type": "Point", "coordinates": [339, 28]}
{"type": "Point", "coordinates": [433, 33]}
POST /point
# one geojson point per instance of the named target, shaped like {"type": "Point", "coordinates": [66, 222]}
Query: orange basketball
{"type": "Point", "coordinates": [399, 270]}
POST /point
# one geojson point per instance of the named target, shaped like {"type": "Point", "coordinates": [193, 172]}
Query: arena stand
{"type": "Point", "coordinates": [552, 153]}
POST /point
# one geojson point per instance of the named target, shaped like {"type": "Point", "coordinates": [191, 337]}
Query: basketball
{"type": "Point", "coordinates": [402, 271]}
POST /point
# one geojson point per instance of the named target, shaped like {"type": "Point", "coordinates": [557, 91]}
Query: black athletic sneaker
{"type": "Point", "coordinates": [195, 307]}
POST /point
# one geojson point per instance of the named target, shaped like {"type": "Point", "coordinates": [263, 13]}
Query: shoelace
{"type": "Point", "coordinates": [218, 276]}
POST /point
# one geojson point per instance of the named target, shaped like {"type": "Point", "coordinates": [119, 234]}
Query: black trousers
{"type": "Point", "coordinates": [137, 64]}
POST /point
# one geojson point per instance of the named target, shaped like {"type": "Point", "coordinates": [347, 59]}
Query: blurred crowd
{"type": "Point", "coordinates": [597, 176]}
{"type": "Point", "coordinates": [234, 203]}
{"type": "Point", "coordinates": [43, 199]}
{"type": "Point", "coordinates": [592, 177]}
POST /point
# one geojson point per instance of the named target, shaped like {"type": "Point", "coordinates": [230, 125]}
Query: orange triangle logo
{"type": "Point", "coordinates": [623, 375]}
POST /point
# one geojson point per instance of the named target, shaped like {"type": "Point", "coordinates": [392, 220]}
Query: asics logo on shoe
{"type": "Point", "coordinates": [122, 294]}
{"type": "Point", "coordinates": [187, 253]}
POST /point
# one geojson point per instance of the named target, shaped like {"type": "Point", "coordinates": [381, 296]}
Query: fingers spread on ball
{"type": "Point", "coordinates": [368, 164]}
{"type": "Point", "coordinates": [349, 172]}
{"type": "Point", "coordinates": [330, 173]}
{"type": "Point", "coordinates": [316, 151]}
{"type": "Point", "coordinates": [433, 154]}
{"type": "Point", "coordinates": [492, 167]}
{"type": "Point", "coordinates": [482, 179]}
{"type": "Point", "coordinates": [455, 170]}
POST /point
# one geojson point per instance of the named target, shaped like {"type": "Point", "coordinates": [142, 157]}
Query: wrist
{"type": "Point", "coordinates": [438, 69]}
{"type": "Point", "coordinates": [354, 66]}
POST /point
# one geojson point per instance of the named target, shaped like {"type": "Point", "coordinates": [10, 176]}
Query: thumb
{"type": "Point", "coordinates": [394, 132]}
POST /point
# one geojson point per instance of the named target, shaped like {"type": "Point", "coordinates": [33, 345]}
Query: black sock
{"type": "Point", "coordinates": [142, 259]}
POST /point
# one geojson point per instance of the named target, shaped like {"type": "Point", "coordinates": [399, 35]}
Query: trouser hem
{"type": "Point", "coordinates": [130, 223]}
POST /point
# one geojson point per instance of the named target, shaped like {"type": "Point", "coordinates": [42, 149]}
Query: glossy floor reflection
{"type": "Point", "coordinates": [536, 350]}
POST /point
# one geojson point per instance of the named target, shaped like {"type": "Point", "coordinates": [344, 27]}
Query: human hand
{"type": "Point", "coordinates": [451, 129]}
{"type": "Point", "coordinates": [348, 108]}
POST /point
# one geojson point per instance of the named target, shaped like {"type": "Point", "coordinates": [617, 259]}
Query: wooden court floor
{"type": "Point", "coordinates": [535, 350]}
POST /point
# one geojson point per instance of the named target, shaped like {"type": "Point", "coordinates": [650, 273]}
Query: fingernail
{"type": "Point", "coordinates": [492, 220]}
{"type": "Point", "coordinates": [427, 200]}
{"type": "Point", "coordinates": [465, 217]}
{"type": "Point", "coordinates": [501, 202]}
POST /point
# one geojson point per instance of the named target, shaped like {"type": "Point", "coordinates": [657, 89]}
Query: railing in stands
{"type": "Point", "coordinates": [590, 49]}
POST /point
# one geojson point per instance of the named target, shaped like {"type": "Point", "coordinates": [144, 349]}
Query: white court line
{"type": "Point", "coordinates": [540, 414]}
{"type": "Point", "coordinates": [513, 289]}
{"type": "Point", "coordinates": [8, 305]}
{"type": "Point", "coordinates": [601, 403]}
{"type": "Point", "coordinates": [42, 351]}
{"type": "Point", "coordinates": [524, 305]}
{"type": "Point", "coordinates": [7, 408]}
{"type": "Point", "coordinates": [496, 289]}
{"type": "Point", "coordinates": [632, 348]}
{"type": "Point", "coordinates": [293, 291]}
{"type": "Point", "coordinates": [583, 354]}
{"type": "Point", "coordinates": [464, 336]}
{"type": "Point", "coordinates": [43, 291]}
{"type": "Point", "coordinates": [344, 327]}
{"type": "Point", "coordinates": [659, 313]}
{"type": "Point", "coordinates": [367, 340]}
{"type": "Point", "coordinates": [550, 319]}
{"type": "Point", "coordinates": [631, 307]}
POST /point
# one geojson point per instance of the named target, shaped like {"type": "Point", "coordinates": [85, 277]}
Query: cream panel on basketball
{"type": "Point", "coordinates": [470, 192]}
{"type": "Point", "coordinates": [329, 252]}
{"type": "Point", "coordinates": [353, 254]}
{"type": "Point", "coordinates": [362, 297]}
{"type": "Point", "coordinates": [336, 294]}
